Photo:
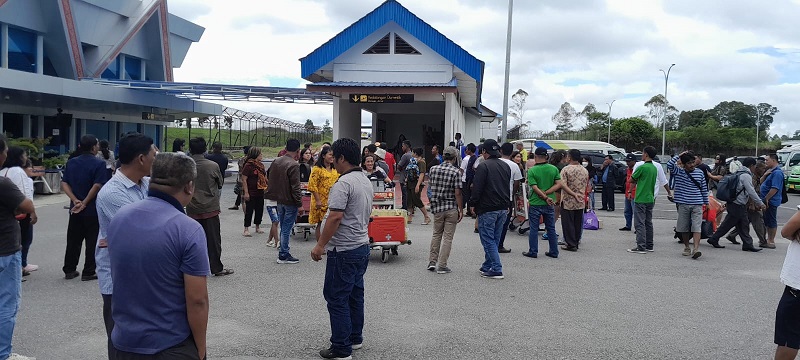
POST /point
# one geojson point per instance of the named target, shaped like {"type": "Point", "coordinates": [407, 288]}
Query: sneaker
{"type": "Point", "coordinates": [503, 250]}
{"type": "Point", "coordinates": [637, 250]}
{"type": "Point", "coordinates": [89, 277]}
{"type": "Point", "coordinates": [625, 229]}
{"type": "Point", "coordinates": [288, 259]}
{"type": "Point", "coordinates": [530, 254]}
{"type": "Point", "coordinates": [233, 208]}
{"type": "Point", "coordinates": [443, 270]}
{"type": "Point", "coordinates": [432, 266]}
{"type": "Point", "coordinates": [271, 243]}
{"type": "Point", "coordinates": [31, 267]}
{"type": "Point", "coordinates": [14, 356]}
{"type": "Point", "coordinates": [358, 346]}
{"type": "Point", "coordinates": [331, 354]}
{"type": "Point", "coordinates": [544, 236]}
{"type": "Point", "coordinates": [492, 275]}
{"type": "Point", "coordinates": [687, 252]}
{"type": "Point", "coordinates": [696, 255]}
{"type": "Point", "coordinates": [650, 250]}
{"type": "Point", "coordinates": [72, 275]}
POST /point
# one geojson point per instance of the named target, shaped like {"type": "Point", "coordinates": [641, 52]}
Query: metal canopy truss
{"type": "Point", "coordinates": [223, 92]}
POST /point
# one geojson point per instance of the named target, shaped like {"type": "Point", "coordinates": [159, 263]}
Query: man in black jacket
{"type": "Point", "coordinates": [489, 199]}
{"type": "Point", "coordinates": [608, 176]}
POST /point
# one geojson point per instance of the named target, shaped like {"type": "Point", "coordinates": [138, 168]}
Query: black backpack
{"type": "Point", "coordinates": [726, 189]}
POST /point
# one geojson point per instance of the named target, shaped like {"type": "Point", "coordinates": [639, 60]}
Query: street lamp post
{"type": "Point", "coordinates": [666, 106]}
{"type": "Point", "coordinates": [758, 120]}
{"type": "Point", "coordinates": [504, 120]}
{"type": "Point", "coordinates": [609, 119]}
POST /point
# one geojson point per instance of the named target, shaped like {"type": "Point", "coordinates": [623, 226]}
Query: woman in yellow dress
{"type": "Point", "coordinates": [323, 176]}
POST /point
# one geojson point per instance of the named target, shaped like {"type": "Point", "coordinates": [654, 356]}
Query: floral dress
{"type": "Point", "coordinates": [320, 182]}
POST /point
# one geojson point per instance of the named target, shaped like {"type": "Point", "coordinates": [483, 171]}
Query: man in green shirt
{"type": "Point", "coordinates": [544, 180]}
{"type": "Point", "coordinates": [645, 179]}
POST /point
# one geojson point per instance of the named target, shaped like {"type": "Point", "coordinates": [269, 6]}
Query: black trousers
{"type": "Point", "coordinates": [466, 192]}
{"type": "Point", "coordinates": [737, 217]}
{"type": "Point", "coordinates": [572, 226]}
{"type": "Point", "coordinates": [109, 322]}
{"type": "Point", "coordinates": [214, 242]}
{"type": "Point", "coordinates": [26, 230]}
{"type": "Point", "coordinates": [186, 350]}
{"type": "Point", "coordinates": [81, 228]}
{"type": "Point", "coordinates": [255, 205]}
{"type": "Point", "coordinates": [608, 196]}
{"type": "Point", "coordinates": [238, 200]}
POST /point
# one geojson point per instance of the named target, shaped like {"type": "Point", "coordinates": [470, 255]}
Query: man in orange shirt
{"type": "Point", "coordinates": [630, 191]}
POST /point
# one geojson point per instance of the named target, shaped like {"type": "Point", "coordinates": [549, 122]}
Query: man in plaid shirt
{"type": "Point", "coordinates": [447, 207]}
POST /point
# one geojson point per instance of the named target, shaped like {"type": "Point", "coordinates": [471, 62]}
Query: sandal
{"type": "Point", "coordinates": [259, 231]}
{"type": "Point", "coordinates": [427, 221]}
{"type": "Point", "coordinates": [246, 234]}
{"type": "Point", "coordinates": [224, 272]}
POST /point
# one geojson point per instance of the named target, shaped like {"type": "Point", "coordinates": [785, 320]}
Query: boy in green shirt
{"type": "Point", "coordinates": [645, 178]}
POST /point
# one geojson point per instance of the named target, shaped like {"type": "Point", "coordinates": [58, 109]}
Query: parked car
{"type": "Point", "coordinates": [793, 180]}
{"type": "Point", "coordinates": [622, 169]}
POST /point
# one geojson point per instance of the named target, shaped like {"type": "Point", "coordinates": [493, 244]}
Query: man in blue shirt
{"type": "Point", "coordinates": [609, 178]}
{"type": "Point", "coordinates": [771, 187]}
{"type": "Point", "coordinates": [159, 265]}
{"type": "Point", "coordinates": [83, 177]}
{"type": "Point", "coordinates": [128, 185]}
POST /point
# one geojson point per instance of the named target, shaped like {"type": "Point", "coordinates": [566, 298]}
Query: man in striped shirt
{"type": "Point", "coordinates": [691, 193]}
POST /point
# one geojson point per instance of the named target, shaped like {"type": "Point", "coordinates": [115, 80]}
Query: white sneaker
{"type": "Point", "coordinates": [271, 243]}
{"type": "Point", "coordinates": [14, 356]}
{"type": "Point", "coordinates": [31, 267]}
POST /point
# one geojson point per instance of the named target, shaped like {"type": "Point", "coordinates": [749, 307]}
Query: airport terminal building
{"type": "Point", "coordinates": [48, 48]}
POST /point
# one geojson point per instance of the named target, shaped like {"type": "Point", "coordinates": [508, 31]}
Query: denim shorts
{"type": "Point", "coordinates": [787, 328]}
{"type": "Point", "coordinates": [272, 211]}
{"type": "Point", "coordinates": [771, 217]}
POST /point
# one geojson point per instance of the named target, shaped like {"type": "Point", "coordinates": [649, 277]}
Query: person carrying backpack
{"type": "Point", "coordinates": [736, 189]}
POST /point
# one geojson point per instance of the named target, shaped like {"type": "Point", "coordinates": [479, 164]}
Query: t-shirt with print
{"type": "Point", "coordinates": [10, 199]}
{"type": "Point", "coordinates": [544, 176]}
{"type": "Point", "coordinates": [516, 175]}
{"type": "Point", "coordinates": [575, 177]}
{"type": "Point", "coordinates": [351, 195]}
{"type": "Point", "coordinates": [645, 177]}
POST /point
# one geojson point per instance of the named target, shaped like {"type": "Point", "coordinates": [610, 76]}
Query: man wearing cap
{"type": "Point", "coordinates": [447, 207]}
{"type": "Point", "coordinates": [630, 191]}
{"type": "Point", "coordinates": [544, 181]}
{"type": "Point", "coordinates": [490, 189]}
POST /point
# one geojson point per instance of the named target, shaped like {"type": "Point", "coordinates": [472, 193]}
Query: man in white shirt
{"type": "Point", "coordinates": [516, 176]}
{"type": "Point", "coordinates": [661, 179]}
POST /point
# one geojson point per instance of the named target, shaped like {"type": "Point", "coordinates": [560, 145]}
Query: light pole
{"type": "Point", "coordinates": [758, 120]}
{"type": "Point", "coordinates": [504, 121]}
{"type": "Point", "coordinates": [609, 119]}
{"type": "Point", "coordinates": [666, 106]}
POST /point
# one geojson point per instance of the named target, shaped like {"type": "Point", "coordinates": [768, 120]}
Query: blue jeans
{"type": "Point", "coordinates": [344, 293]}
{"type": "Point", "coordinates": [629, 213]}
{"type": "Point", "coordinates": [287, 215]}
{"type": "Point", "coordinates": [549, 215]}
{"type": "Point", "coordinates": [10, 287]}
{"type": "Point", "coordinates": [490, 228]}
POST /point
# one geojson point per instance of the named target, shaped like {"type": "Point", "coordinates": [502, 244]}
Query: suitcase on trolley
{"type": "Point", "coordinates": [387, 230]}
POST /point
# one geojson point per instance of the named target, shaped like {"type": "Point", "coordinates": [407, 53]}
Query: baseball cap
{"type": "Point", "coordinates": [451, 151]}
{"type": "Point", "coordinates": [491, 147]}
{"type": "Point", "coordinates": [630, 157]}
{"type": "Point", "coordinates": [380, 153]}
{"type": "Point", "coordinates": [540, 151]}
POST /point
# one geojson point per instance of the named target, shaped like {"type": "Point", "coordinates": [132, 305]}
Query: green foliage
{"type": "Point", "coordinates": [55, 162]}
{"type": "Point", "coordinates": [633, 132]}
{"type": "Point", "coordinates": [34, 147]}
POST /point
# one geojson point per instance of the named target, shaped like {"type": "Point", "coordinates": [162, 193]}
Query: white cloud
{"type": "Point", "coordinates": [578, 51]}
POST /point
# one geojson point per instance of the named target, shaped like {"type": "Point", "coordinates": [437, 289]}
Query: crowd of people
{"type": "Point", "coordinates": [149, 222]}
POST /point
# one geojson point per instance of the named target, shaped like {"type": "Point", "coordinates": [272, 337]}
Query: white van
{"type": "Point", "coordinates": [785, 154]}
{"type": "Point", "coordinates": [599, 147]}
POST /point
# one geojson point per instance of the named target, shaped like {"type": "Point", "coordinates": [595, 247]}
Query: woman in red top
{"type": "Point", "coordinates": [254, 183]}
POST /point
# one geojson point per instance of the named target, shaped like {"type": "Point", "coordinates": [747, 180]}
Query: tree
{"type": "Point", "coordinates": [764, 114]}
{"type": "Point", "coordinates": [565, 117]}
{"type": "Point", "coordinates": [309, 125]}
{"type": "Point", "coordinates": [660, 110]}
{"type": "Point", "coordinates": [327, 129]}
{"type": "Point", "coordinates": [633, 133]}
{"type": "Point", "coordinates": [735, 114]}
{"type": "Point", "coordinates": [517, 108]}
{"type": "Point", "coordinates": [588, 110]}
{"type": "Point", "coordinates": [694, 118]}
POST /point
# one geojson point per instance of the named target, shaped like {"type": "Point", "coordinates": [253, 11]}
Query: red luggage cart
{"type": "Point", "coordinates": [387, 225]}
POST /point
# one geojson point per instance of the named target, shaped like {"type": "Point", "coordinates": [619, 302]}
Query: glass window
{"type": "Point", "coordinates": [126, 127]}
{"type": "Point", "coordinates": [21, 50]}
{"type": "Point", "coordinates": [794, 160]}
{"type": "Point", "coordinates": [133, 68]}
{"type": "Point", "coordinates": [112, 71]}
{"type": "Point", "coordinates": [98, 128]}
{"type": "Point", "coordinates": [12, 125]}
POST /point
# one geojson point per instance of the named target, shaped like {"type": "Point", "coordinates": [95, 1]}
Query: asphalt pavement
{"type": "Point", "coordinates": [598, 303]}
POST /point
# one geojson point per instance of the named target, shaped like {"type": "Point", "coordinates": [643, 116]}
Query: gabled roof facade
{"type": "Point", "coordinates": [391, 10]}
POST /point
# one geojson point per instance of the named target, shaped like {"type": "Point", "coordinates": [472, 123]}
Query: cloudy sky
{"type": "Point", "coordinates": [579, 51]}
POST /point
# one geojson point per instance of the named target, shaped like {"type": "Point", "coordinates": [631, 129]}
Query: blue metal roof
{"type": "Point", "coordinates": [391, 10]}
{"type": "Point", "coordinates": [451, 83]}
